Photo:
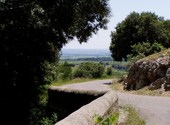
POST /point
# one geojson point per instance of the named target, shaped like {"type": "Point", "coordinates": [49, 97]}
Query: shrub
{"type": "Point", "coordinates": [156, 47]}
{"type": "Point", "coordinates": [143, 49]}
{"type": "Point", "coordinates": [109, 71]}
{"type": "Point", "coordinates": [111, 119]}
{"type": "Point", "coordinates": [40, 113]}
{"type": "Point", "coordinates": [65, 71]}
{"type": "Point", "coordinates": [89, 70]}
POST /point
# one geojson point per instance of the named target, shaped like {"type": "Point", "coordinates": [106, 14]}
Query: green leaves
{"type": "Point", "coordinates": [89, 70]}
{"type": "Point", "coordinates": [32, 33]}
{"type": "Point", "coordinates": [111, 119]}
{"type": "Point", "coordinates": [140, 33]}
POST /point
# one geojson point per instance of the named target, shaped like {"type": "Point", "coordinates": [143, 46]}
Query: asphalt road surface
{"type": "Point", "coordinates": [154, 110]}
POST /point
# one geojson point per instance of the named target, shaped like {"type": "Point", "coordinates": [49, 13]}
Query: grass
{"type": "Point", "coordinates": [64, 82]}
{"type": "Point", "coordinates": [133, 116]}
{"type": "Point", "coordinates": [115, 74]}
{"type": "Point", "coordinates": [165, 52]}
{"type": "Point", "coordinates": [118, 74]}
{"type": "Point", "coordinates": [128, 113]}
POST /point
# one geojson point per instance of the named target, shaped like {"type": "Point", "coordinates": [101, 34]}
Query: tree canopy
{"type": "Point", "coordinates": [32, 32]}
{"type": "Point", "coordinates": [139, 29]}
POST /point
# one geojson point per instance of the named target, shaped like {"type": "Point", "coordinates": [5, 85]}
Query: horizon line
{"type": "Point", "coordinates": [89, 48]}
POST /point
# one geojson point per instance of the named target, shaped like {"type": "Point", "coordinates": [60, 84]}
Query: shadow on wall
{"type": "Point", "coordinates": [64, 102]}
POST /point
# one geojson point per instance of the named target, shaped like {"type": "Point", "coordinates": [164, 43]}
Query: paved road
{"type": "Point", "coordinates": [155, 110]}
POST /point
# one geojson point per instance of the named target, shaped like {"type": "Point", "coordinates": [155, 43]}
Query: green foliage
{"type": "Point", "coordinates": [118, 74]}
{"type": "Point", "coordinates": [49, 121]}
{"type": "Point", "coordinates": [109, 71]}
{"type": "Point", "coordinates": [50, 73]}
{"type": "Point", "coordinates": [139, 30]}
{"type": "Point", "coordinates": [32, 33]}
{"type": "Point", "coordinates": [156, 47]}
{"type": "Point", "coordinates": [132, 58]}
{"type": "Point", "coordinates": [111, 119]}
{"type": "Point", "coordinates": [40, 117]}
{"type": "Point", "coordinates": [40, 113]}
{"type": "Point", "coordinates": [65, 71]}
{"type": "Point", "coordinates": [143, 49]}
{"type": "Point", "coordinates": [89, 70]}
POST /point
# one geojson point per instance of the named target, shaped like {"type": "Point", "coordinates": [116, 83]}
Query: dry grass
{"type": "Point", "coordinates": [133, 116]}
{"type": "Point", "coordinates": [117, 86]}
{"type": "Point", "coordinates": [144, 91]}
{"type": "Point", "coordinates": [165, 52]}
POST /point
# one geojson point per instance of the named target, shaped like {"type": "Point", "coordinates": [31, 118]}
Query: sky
{"type": "Point", "coordinates": [120, 9]}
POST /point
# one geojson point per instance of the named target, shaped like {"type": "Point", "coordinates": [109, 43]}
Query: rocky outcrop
{"type": "Point", "coordinates": [148, 72]}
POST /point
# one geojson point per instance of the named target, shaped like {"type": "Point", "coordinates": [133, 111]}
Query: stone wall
{"type": "Point", "coordinates": [85, 115]}
{"type": "Point", "coordinates": [66, 101]}
{"type": "Point", "coordinates": [148, 72]}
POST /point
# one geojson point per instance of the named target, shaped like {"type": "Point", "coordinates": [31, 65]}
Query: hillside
{"type": "Point", "coordinates": [165, 52]}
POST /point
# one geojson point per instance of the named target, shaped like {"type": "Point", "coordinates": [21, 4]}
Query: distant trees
{"type": "Point", "coordinates": [65, 71]}
{"type": "Point", "coordinates": [32, 32]}
{"type": "Point", "coordinates": [109, 71]}
{"type": "Point", "coordinates": [89, 70]}
{"type": "Point", "coordinates": [140, 33]}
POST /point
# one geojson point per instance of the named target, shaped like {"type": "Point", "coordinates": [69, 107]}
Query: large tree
{"type": "Point", "coordinates": [32, 32]}
{"type": "Point", "coordinates": [138, 29]}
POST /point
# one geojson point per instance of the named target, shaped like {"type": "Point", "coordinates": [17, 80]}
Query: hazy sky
{"type": "Point", "coordinates": [119, 11]}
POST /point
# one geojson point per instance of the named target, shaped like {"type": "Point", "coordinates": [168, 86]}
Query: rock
{"type": "Point", "coordinates": [148, 73]}
{"type": "Point", "coordinates": [157, 84]}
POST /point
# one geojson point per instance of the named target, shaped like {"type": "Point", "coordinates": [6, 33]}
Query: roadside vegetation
{"type": "Point", "coordinates": [110, 119]}
{"type": "Point", "coordinates": [69, 73]}
{"type": "Point", "coordinates": [133, 116]}
{"type": "Point", "coordinates": [127, 115]}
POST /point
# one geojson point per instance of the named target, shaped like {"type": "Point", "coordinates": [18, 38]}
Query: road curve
{"type": "Point", "coordinates": [155, 110]}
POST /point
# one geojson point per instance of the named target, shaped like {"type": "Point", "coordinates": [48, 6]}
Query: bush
{"type": "Point", "coordinates": [109, 71]}
{"type": "Point", "coordinates": [65, 71]}
{"type": "Point", "coordinates": [143, 49]}
{"type": "Point", "coordinates": [49, 121]}
{"type": "Point", "coordinates": [89, 70]}
{"type": "Point", "coordinates": [40, 112]}
{"type": "Point", "coordinates": [156, 47]}
{"type": "Point", "coordinates": [40, 117]}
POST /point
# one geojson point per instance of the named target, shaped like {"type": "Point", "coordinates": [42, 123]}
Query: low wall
{"type": "Point", "coordinates": [85, 115]}
{"type": "Point", "coordinates": [82, 104]}
{"type": "Point", "coordinates": [66, 101]}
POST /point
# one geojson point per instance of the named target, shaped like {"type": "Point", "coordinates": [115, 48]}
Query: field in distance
{"type": "Point", "coordinates": [82, 55]}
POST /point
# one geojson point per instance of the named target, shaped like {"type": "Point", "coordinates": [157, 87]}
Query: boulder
{"type": "Point", "coordinates": [147, 72]}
